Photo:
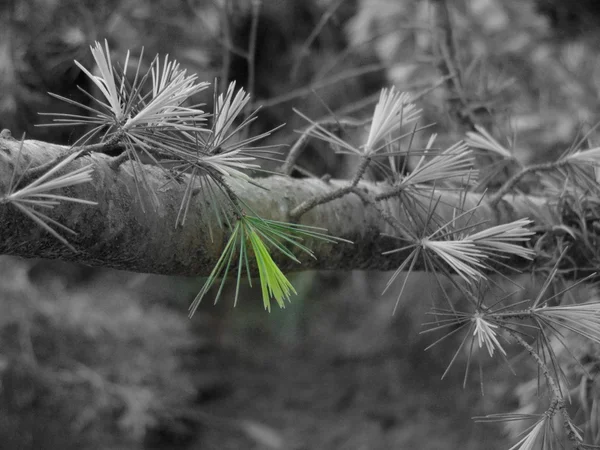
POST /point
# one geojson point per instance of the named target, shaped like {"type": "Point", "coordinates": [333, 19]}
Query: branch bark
{"type": "Point", "coordinates": [118, 233]}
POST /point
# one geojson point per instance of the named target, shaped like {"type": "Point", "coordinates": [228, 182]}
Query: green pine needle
{"type": "Point", "coordinates": [252, 240]}
{"type": "Point", "coordinates": [273, 282]}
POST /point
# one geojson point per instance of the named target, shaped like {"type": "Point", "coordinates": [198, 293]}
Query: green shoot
{"type": "Point", "coordinates": [250, 242]}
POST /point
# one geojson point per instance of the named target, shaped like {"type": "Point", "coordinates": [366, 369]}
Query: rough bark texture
{"type": "Point", "coordinates": [118, 233]}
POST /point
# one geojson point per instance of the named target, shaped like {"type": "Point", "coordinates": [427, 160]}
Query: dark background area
{"type": "Point", "coordinates": [96, 359]}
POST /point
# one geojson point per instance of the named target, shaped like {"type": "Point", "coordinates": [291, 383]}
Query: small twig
{"type": "Point", "coordinates": [514, 180]}
{"type": "Point", "coordinates": [110, 146]}
{"type": "Point", "coordinates": [552, 384]}
{"type": "Point", "coordinates": [296, 150]}
{"type": "Point", "coordinates": [307, 205]}
{"type": "Point", "coordinates": [360, 170]}
{"type": "Point", "coordinates": [558, 402]}
{"type": "Point", "coordinates": [115, 163]}
{"type": "Point", "coordinates": [290, 161]}
{"type": "Point", "coordinates": [394, 192]}
{"type": "Point", "coordinates": [305, 48]}
{"type": "Point", "coordinates": [448, 64]}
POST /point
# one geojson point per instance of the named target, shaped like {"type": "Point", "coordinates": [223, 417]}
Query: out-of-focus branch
{"type": "Point", "coordinates": [447, 64]}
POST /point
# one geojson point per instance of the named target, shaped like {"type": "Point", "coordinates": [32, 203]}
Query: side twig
{"type": "Point", "coordinates": [557, 399]}
{"type": "Point", "coordinates": [306, 206]}
{"type": "Point", "coordinates": [517, 177]}
{"type": "Point", "coordinates": [447, 64]}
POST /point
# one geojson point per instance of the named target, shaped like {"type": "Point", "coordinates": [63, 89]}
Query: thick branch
{"type": "Point", "coordinates": [118, 233]}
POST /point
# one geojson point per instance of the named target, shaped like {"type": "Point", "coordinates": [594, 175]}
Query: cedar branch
{"type": "Point", "coordinates": [118, 233]}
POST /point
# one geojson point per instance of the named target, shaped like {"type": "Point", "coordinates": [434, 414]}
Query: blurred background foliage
{"type": "Point", "coordinates": [91, 358]}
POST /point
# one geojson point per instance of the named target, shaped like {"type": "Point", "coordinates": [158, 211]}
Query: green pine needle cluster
{"type": "Point", "coordinates": [250, 246]}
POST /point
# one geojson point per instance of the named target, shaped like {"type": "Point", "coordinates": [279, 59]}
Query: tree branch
{"type": "Point", "coordinates": [117, 233]}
